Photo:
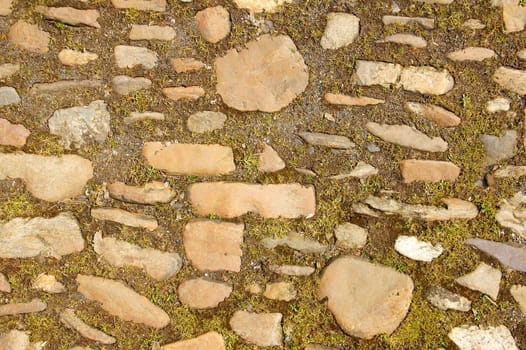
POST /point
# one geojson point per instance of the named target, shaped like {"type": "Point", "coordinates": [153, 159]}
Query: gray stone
{"type": "Point", "coordinates": [445, 300]}
{"type": "Point", "coordinates": [125, 217]}
{"type": "Point", "coordinates": [513, 171]}
{"type": "Point", "coordinates": [474, 24]}
{"type": "Point", "coordinates": [350, 236]}
{"type": "Point", "coordinates": [484, 279]}
{"type": "Point", "coordinates": [8, 96]}
{"type": "Point", "coordinates": [327, 140]}
{"type": "Point", "coordinates": [63, 85]}
{"type": "Point", "coordinates": [511, 79]}
{"type": "Point", "coordinates": [131, 56]}
{"type": "Point", "coordinates": [124, 85]}
{"type": "Point", "coordinates": [205, 121]}
{"type": "Point", "coordinates": [68, 318]}
{"type": "Point", "coordinates": [499, 148]}
{"type": "Point", "coordinates": [263, 329]}
{"type": "Point", "coordinates": [507, 255]}
{"type": "Point", "coordinates": [8, 69]}
{"type": "Point", "coordinates": [407, 136]}
{"type": "Point", "coordinates": [512, 214]}
{"type": "Point", "coordinates": [295, 241]}
{"type": "Point", "coordinates": [341, 30]}
{"type": "Point", "coordinates": [141, 116]}
{"type": "Point", "coordinates": [483, 338]}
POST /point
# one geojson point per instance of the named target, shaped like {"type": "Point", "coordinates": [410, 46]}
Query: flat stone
{"type": "Point", "coordinates": [8, 69]}
{"type": "Point", "coordinates": [63, 85]}
{"type": "Point", "coordinates": [476, 337]}
{"type": "Point", "coordinates": [186, 64]}
{"type": "Point", "coordinates": [341, 30]}
{"type": "Point", "coordinates": [208, 341]}
{"type": "Point", "coordinates": [190, 159]}
{"type": "Point", "coordinates": [142, 116]}
{"type": "Point", "coordinates": [125, 217]}
{"type": "Point", "coordinates": [35, 305]}
{"type": "Point", "coordinates": [13, 134]}
{"type": "Point", "coordinates": [29, 37]}
{"type": "Point", "coordinates": [49, 178]}
{"type": "Point", "coordinates": [405, 39]}
{"type": "Point", "coordinates": [521, 54]}
{"type": "Point", "coordinates": [484, 279]}
{"type": "Point", "coordinates": [261, 329]}
{"type": "Point", "coordinates": [151, 32]}
{"type": "Point", "coordinates": [157, 264]}
{"type": "Point", "coordinates": [362, 170]}
{"type": "Point", "coordinates": [213, 245]}
{"type": "Point", "coordinates": [31, 237]}
{"type": "Point", "coordinates": [141, 5]}
{"type": "Point", "coordinates": [206, 121]}
{"type": "Point", "coordinates": [124, 85]}
{"type": "Point", "coordinates": [131, 56]}
{"type": "Point", "coordinates": [441, 116]}
{"type": "Point", "coordinates": [407, 136]}
{"type": "Point", "coordinates": [426, 80]}
{"type": "Point", "coordinates": [75, 124]}
{"type": "Point", "coordinates": [508, 255]}
{"type": "Point", "coordinates": [8, 96]}
{"type": "Point", "coordinates": [201, 293]}
{"type": "Point", "coordinates": [327, 140]}
{"type": "Point", "coordinates": [443, 299]}
{"type": "Point", "coordinates": [274, 62]}
{"type": "Point", "coordinates": [369, 73]}
{"type": "Point", "coordinates": [70, 57]}
{"type": "Point", "coordinates": [213, 23]}
{"type": "Point", "coordinates": [48, 284]}
{"type": "Point", "coordinates": [518, 293]}
{"type": "Point", "coordinates": [428, 171]}
{"type": "Point", "coordinates": [513, 171]}
{"type": "Point", "coordinates": [18, 340]}
{"type": "Point", "coordinates": [229, 200]}
{"type": "Point", "coordinates": [413, 248]}
{"type": "Point", "coordinates": [427, 23]}
{"type": "Point", "coordinates": [5, 7]}
{"type": "Point", "coordinates": [70, 320]}
{"type": "Point", "coordinates": [269, 160]}
{"type": "Point", "coordinates": [366, 299]}
{"type": "Point", "coordinates": [258, 6]}
{"type": "Point", "coordinates": [512, 213]}
{"type": "Point", "coordinates": [283, 291]}
{"type": "Point", "coordinates": [181, 92]}
{"type": "Point", "coordinates": [499, 148]}
{"type": "Point", "coordinates": [477, 54]}
{"type": "Point", "coordinates": [499, 104]}
{"type": "Point", "coordinates": [455, 209]}
{"type": "Point", "coordinates": [514, 16]}
{"type": "Point", "coordinates": [4, 284]}
{"type": "Point", "coordinates": [150, 193]}
{"type": "Point", "coordinates": [350, 236]}
{"type": "Point", "coordinates": [70, 15]}
{"type": "Point", "coordinates": [340, 99]}
{"type": "Point", "coordinates": [122, 301]}
{"type": "Point", "coordinates": [474, 24]}
{"type": "Point", "coordinates": [511, 79]}
{"type": "Point", "coordinates": [254, 288]}
{"type": "Point", "coordinates": [292, 270]}
{"type": "Point", "coordinates": [295, 241]}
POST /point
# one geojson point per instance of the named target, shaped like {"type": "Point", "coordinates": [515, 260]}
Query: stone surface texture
{"type": "Point", "coordinates": [261, 329]}
{"type": "Point", "coordinates": [201, 293]}
{"type": "Point", "coordinates": [341, 30]}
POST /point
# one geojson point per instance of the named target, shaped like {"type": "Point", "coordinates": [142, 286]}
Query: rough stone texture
{"type": "Point", "coordinates": [274, 62]}
{"type": "Point", "coordinates": [474, 24]}
{"type": "Point", "coordinates": [511, 79]}
{"type": "Point", "coordinates": [131, 56]}
{"type": "Point", "coordinates": [213, 23]}
{"type": "Point", "coordinates": [499, 148]}
{"type": "Point", "coordinates": [201, 293]}
{"type": "Point", "coordinates": [151, 32]}
{"type": "Point", "coordinates": [415, 249]}
{"type": "Point", "coordinates": [263, 329]}
{"type": "Point", "coordinates": [48, 284]}
{"type": "Point", "coordinates": [122, 301]}
{"type": "Point", "coordinates": [213, 245]}
{"type": "Point", "coordinates": [205, 121]}
{"type": "Point", "coordinates": [124, 85]}
{"type": "Point", "coordinates": [428, 170]}
{"type": "Point", "coordinates": [141, 5]}
{"type": "Point", "coordinates": [63, 85]}
{"type": "Point", "coordinates": [369, 73]}
{"type": "Point", "coordinates": [74, 124]}
{"type": "Point", "coordinates": [407, 136]}
{"type": "Point", "coordinates": [441, 2]}
{"type": "Point", "coordinates": [514, 16]}
{"type": "Point", "coordinates": [186, 64]}
{"type": "Point", "coordinates": [499, 104]}
{"type": "Point", "coordinates": [208, 341]}
{"type": "Point", "coordinates": [157, 264]}
{"type": "Point", "coordinates": [484, 279]}
{"type": "Point", "coordinates": [8, 96]}
{"type": "Point", "coordinates": [181, 92]}
{"type": "Point", "coordinates": [471, 54]}
{"type": "Point", "coordinates": [70, 15]}
{"type": "Point", "coordinates": [340, 99]}
{"type": "Point", "coordinates": [4, 284]}
{"type": "Point", "coordinates": [8, 69]}
{"type": "Point", "coordinates": [319, 347]}
{"type": "Point", "coordinates": [18, 340]}
{"type": "Point", "coordinates": [514, 171]}
{"type": "Point", "coordinates": [508, 255]}
{"type": "Point", "coordinates": [427, 23]}
{"type": "Point", "coordinates": [283, 291]}
{"type": "Point", "coordinates": [13, 134]}
{"type": "Point", "coordinates": [522, 54]}
{"type": "Point", "coordinates": [446, 300]}
{"type": "Point", "coordinates": [426, 80]}
{"type": "Point", "coordinates": [29, 37]}
{"type": "Point", "coordinates": [70, 57]}
{"type": "Point", "coordinates": [361, 171]}
{"type": "Point", "coordinates": [229, 200]}
{"type": "Point", "coordinates": [455, 209]}
{"type": "Point", "coordinates": [511, 213]}
{"type": "Point", "coordinates": [405, 39]}
{"type": "Point", "coordinates": [125, 217]}
{"type": "Point", "coordinates": [483, 338]}
{"type": "Point", "coordinates": [518, 293]}
{"type": "Point", "coordinates": [295, 241]}
{"type": "Point", "coordinates": [366, 299]}
{"type": "Point", "coordinates": [292, 270]}
{"type": "Point", "coordinates": [54, 237]}
{"type": "Point", "coordinates": [257, 6]}
{"type": "Point", "coordinates": [441, 116]}
{"type": "Point", "coordinates": [49, 178]}
{"type": "Point", "coordinates": [5, 7]}
{"type": "Point", "coordinates": [35, 305]}
{"type": "Point", "coordinates": [141, 116]}
{"type": "Point", "coordinates": [350, 236]}
{"type": "Point", "coordinates": [327, 140]}
{"type": "Point", "coordinates": [341, 30]}
{"type": "Point", "coordinates": [269, 160]}
{"type": "Point", "coordinates": [190, 159]}
{"type": "Point", "coordinates": [150, 193]}
{"type": "Point", "coordinates": [68, 318]}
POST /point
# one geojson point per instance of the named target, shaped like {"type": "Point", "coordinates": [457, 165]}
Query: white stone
{"type": "Point", "coordinates": [483, 338]}
{"type": "Point", "coordinates": [342, 29]}
{"type": "Point", "coordinates": [499, 104]}
{"type": "Point", "coordinates": [412, 248]}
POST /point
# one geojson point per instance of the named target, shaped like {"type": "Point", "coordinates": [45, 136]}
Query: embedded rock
{"type": "Point", "coordinates": [484, 279]}
{"type": "Point", "coordinates": [141, 5]}
{"type": "Point", "coordinates": [70, 57]}
{"type": "Point", "coordinates": [18, 340]}
{"type": "Point", "coordinates": [283, 291]}
{"type": "Point", "coordinates": [124, 85]}
{"type": "Point", "coordinates": [518, 293]}
{"type": "Point", "coordinates": [441, 116]}
{"type": "Point", "coordinates": [407, 136]}
{"type": "Point", "coordinates": [514, 15]}
{"type": "Point", "coordinates": [141, 116]}
{"type": "Point", "coordinates": [508, 255]}
{"type": "Point", "coordinates": [125, 217]}
{"type": "Point", "coordinates": [327, 140]}
{"type": "Point", "coordinates": [415, 249]}
{"type": "Point", "coordinates": [426, 80]}
{"type": "Point", "coordinates": [150, 32]}
{"type": "Point", "coordinates": [511, 79]}
{"type": "Point", "coordinates": [213, 23]}
{"type": "Point", "coordinates": [295, 241]}
{"type": "Point", "coordinates": [471, 54]}
{"type": "Point", "coordinates": [151, 193]}
{"type": "Point", "coordinates": [13, 134]}
{"type": "Point", "coordinates": [476, 337]}
{"type": "Point", "coordinates": [8, 69]}
{"type": "Point", "coordinates": [350, 236]}
{"type": "Point", "coordinates": [35, 305]}
{"type": "Point", "coordinates": [405, 39]}
{"type": "Point", "coordinates": [428, 170]}
{"type": "Point", "coordinates": [62, 85]}
{"type": "Point", "coordinates": [361, 171]}
{"type": "Point", "coordinates": [499, 104]}
{"type": "Point", "coordinates": [512, 213]}
{"type": "Point", "coordinates": [181, 92]}
{"type": "Point", "coordinates": [208, 341]}
{"type": "Point", "coordinates": [369, 73]}
{"type": "Point", "coordinates": [514, 171]}
{"type": "Point", "coordinates": [292, 270]}
{"type": "Point", "coordinates": [48, 284]}
{"type": "Point", "coordinates": [341, 30]}
{"type": "Point", "coordinates": [340, 99]}
{"type": "Point", "coordinates": [499, 148]}
{"type": "Point", "coordinates": [29, 37]}
{"type": "Point", "coordinates": [201, 293]}
{"type": "Point", "coordinates": [205, 121]}
{"type": "Point", "coordinates": [186, 64]}
{"type": "Point", "coordinates": [258, 6]}
{"type": "Point", "coordinates": [131, 56]}
{"type": "Point", "coordinates": [444, 300]}
{"type": "Point", "coordinates": [68, 318]}
{"type": "Point", "coordinates": [427, 23]}
{"type": "Point", "coordinates": [5, 10]}
{"type": "Point", "coordinates": [70, 15]}
{"type": "Point", "coordinates": [263, 329]}
{"type": "Point", "coordinates": [8, 96]}
{"type": "Point", "coordinates": [269, 160]}
{"type": "Point", "coordinates": [4, 284]}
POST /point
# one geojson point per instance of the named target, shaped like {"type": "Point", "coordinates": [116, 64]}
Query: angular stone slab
{"type": "Point", "coordinates": [208, 341]}
{"type": "Point", "coordinates": [471, 54]}
{"type": "Point", "coordinates": [70, 57]}
{"type": "Point", "coordinates": [68, 318]}
{"type": "Point", "coordinates": [258, 6]}
{"type": "Point", "coordinates": [476, 337]}
{"type": "Point", "coordinates": [441, 116]}
{"type": "Point", "coordinates": [513, 171]}
{"type": "Point", "coordinates": [122, 301]}
{"type": "Point", "coordinates": [177, 93]}
{"type": "Point", "coordinates": [48, 284]}
{"type": "Point", "coordinates": [125, 217]}
{"type": "Point", "coordinates": [13, 134]}
{"type": "Point", "coordinates": [413, 248]}
{"type": "Point", "coordinates": [340, 99]}
{"type": "Point", "coordinates": [518, 293]}
{"type": "Point", "coordinates": [125, 85]}
{"type": "Point", "coordinates": [369, 73]}
{"type": "Point", "coordinates": [70, 15]}
{"type": "Point", "coordinates": [190, 159]}
{"type": "Point", "coordinates": [150, 193]}
{"type": "Point", "coordinates": [269, 160]}
{"type": "Point", "coordinates": [407, 136]}
{"type": "Point", "coordinates": [362, 170]}
{"type": "Point", "coordinates": [157, 264]}
{"type": "Point", "coordinates": [4, 284]}
{"type": "Point", "coordinates": [229, 200]}
{"type": "Point", "coordinates": [499, 148]}
{"type": "Point", "coordinates": [186, 64]}
{"type": "Point", "coordinates": [54, 237]}
{"type": "Point", "coordinates": [484, 279]}
{"type": "Point", "coordinates": [428, 170]}
{"type": "Point", "coordinates": [512, 213]}
{"type": "Point", "coordinates": [213, 245]}
{"type": "Point", "coordinates": [147, 32]}
{"type": "Point", "coordinates": [131, 56]}
{"type": "Point", "coordinates": [202, 293]}
{"type": "Point", "coordinates": [8, 96]}
{"type": "Point", "coordinates": [366, 299]}
{"type": "Point", "coordinates": [283, 291]}
{"type": "Point", "coordinates": [35, 305]}
{"type": "Point", "coordinates": [141, 5]}
{"type": "Point", "coordinates": [444, 300]}
{"type": "Point", "coordinates": [511, 79]}
{"type": "Point", "coordinates": [507, 255]}
{"type": "Point", "coordinates": [262, 329]}
{"type": "Point", "coordinates": [29, 37]}
{"type": "Point", "coordinates": [426, 80]}
{"type": "Point", "coordinates": [327, 140]}
{"type": "Point", "coordinates": [341, 30]}
{"type": "Point", "coordinates": [205, 121]}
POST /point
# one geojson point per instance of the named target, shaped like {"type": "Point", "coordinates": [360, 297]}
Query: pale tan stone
{"type": "Point", "coordinates": [70, 57]}
{"type": "Point", "coordinates": [201, 293]}
{"type": "Point", "coordinates": [142, 116]}
{"type": "Point", "coordinates": [4, 284]}
{"type": "Point", "coordinates": [262, 329]}
{"type": "Point", "coordinates": [283, 291]}
{"type": "Point", "coordinates": [213, 23]}
{"type": "Point", "coordinates": [62, 85]}
{"type": "Point", "coordinates": [269, 160]}
{"type": "Point", "coordinates": [150, 193]}
{"type": "Point", "coordinates": [180, 92]}
{"type": "Point", "coordinates": [428, 170]}
{"type": "Point", "coordinates": [131, 56]}
{"type": "Point", "coordinates": [405, 39]}
{"type": "Point", "coordinates": [151, 32]}
{"type": "Point", "coordinates": [518, 293]}
{"type": "Point", "coordinates": [484, 279]}
{"type": "Point", "coordinates": [471, 54]}
{"type": "Point", "coordinates": [29, 37]}
{"type": "Point", "coordinates": [8, 69]}
{"type": "Point", "coordinates": [441, 116]}
{"type": "Point", "coordinates": [426, 80]}
{"type": "Point", "coordinates": [341, 99]}
{"type": "Point", "coordinates": [341, 30]}
{"type": "Point", "coordinates": [258, 6]}
{"type": "Point", "coordinates": [141, 5]}
{"type": "Point", "coordinates": [18, 340]}
{"type": "Point", "coordinates": [511, 79]}
{"type": "Point", "coordinates": [407, 136]}
{"type": "Point", "coordinates": [69, 318]}
{"type": "Point", "coordinates": [207, 341]}
{"type": "Point", "coordinates": [5, 7]}
{"type": "Point", "coordinates": [48, 283]}
{"type": "Point", "coordinates": [70, 15]}
{"type": "Point", "coordinates": [427, 23]}
{"type": "Point", "coordinates": [13, 134]}
{"type": "Point", "coordinates": [125, 217]}
{"type": "Point", "coordinates": [292, 270]}
{"type": "Point", "coordinates": [186, 64]}
{"type": "Point", "coordinates": [35, 305]}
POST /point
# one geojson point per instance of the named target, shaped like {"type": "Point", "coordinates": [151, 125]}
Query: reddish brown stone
{"type": "Point", "coordinates": [12, 134]}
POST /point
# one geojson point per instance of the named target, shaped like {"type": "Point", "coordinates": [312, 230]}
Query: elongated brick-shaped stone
{"type": "Point", "coordinates": [428, 170]}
